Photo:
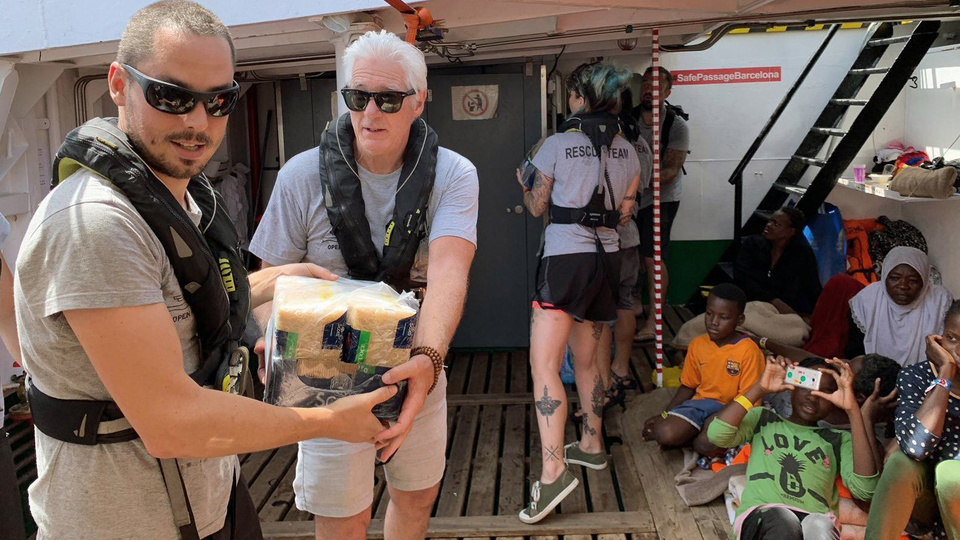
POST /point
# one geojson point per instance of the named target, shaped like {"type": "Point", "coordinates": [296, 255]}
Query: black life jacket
{"type": "Point", "coordinates": [601, 129]}
{"type": "Point", "coordinates": [207, 263]}
{"type": "Point", "coordinates": [343, 198]}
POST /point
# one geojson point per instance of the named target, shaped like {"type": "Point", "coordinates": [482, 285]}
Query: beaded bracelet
{"type": "Point", "coordinates": [437, 360]}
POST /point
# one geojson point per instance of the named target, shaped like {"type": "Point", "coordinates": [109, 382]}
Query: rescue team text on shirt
{"type": "Point", "coordinates": [590, 151]}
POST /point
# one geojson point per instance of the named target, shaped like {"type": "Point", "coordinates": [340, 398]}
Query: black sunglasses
{"type": "Point", "coordinates": [170, 98]}
{"type": "Point", "coordinates": [388, 102]}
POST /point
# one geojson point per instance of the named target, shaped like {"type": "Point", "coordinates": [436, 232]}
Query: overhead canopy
{"type": "Point", "coordinates": [293, 34]}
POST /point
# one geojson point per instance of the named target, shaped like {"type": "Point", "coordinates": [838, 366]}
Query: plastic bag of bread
{"type": "Point", "coordinates": [330, 339]}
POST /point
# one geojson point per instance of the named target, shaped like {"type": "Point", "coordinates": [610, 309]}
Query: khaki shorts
{"type": "Point", "coordinates": [335, 479]}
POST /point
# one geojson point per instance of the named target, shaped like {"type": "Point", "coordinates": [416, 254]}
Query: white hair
{"type": "Point", "coordinates": [388, 47]}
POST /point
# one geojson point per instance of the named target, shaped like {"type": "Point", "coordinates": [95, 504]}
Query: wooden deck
{"type": "Point", "coordinates": [492, 435]}
{"type": "Point", "coordinates": [492, 456]}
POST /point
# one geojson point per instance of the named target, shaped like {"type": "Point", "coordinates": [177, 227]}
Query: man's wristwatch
{"type": "Point", "coordinates": [437, 360]}
{"type": "Point", "coordinates": [945, 383]}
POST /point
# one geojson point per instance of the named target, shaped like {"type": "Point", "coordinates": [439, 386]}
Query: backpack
{"type": "Point", "coordinates": [894, 233]}
{"type": "Point", "coordinates": [666, 125]}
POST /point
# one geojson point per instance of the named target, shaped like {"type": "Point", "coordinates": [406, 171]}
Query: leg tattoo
{"type": "Point", "coordinates": [597, 330]}
{"type": "Point", "coordinates": [547, 405]}
{"type": "Point", "coordinates": [596, 406]}
{"type": "Point", "coordinates": [596, 397]}
{"type": "Point", "coordinates": [551, 454]}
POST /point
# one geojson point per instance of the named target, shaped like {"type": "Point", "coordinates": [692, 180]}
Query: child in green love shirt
{"type": "Point", "coordinates": [791, 489]}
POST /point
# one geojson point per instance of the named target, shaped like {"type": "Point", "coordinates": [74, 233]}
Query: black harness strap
{"type": "Point", "coordinates": [75, 421]}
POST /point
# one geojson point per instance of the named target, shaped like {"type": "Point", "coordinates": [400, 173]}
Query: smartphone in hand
{"type": "Point", "coordinates": [804, 377]}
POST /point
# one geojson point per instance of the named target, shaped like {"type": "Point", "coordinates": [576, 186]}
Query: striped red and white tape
{"type": "Point", "coordinates": [657, 261]}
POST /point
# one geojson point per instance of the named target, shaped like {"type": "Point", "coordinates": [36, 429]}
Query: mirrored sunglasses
{"type": "Point", "coordinates": [170, 98]}
{"type": "Point", "coordinates": [389, 102]}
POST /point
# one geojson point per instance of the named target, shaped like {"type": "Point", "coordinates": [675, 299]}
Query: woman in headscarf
{"type": "Point", "coordinates": [893, 316]}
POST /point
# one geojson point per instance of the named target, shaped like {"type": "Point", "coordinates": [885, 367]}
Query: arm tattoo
{"type": "Point", "coordinates": [597, 330]}
{"type": "Point", "coordinates": [552, 454]}
{"type": "Point", "coordinates": [673, 162]}
{"type": "Point", "coordinates": [546, 405]}
{"type": "Point", "coordinates": [539, 199]}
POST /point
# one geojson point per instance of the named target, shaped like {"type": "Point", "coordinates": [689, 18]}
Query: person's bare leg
{"type": "Point", "coordinates": [650, 325]}
{"type": "Point", "coordinates": [604, 350]}
{"type": "Point", "coordinates": [548, 336]}
{"type": "Point", "coordinates": [623, 332]}
{"type": "Point", "coordinates": [584, 341]}
{"type": "Point", "coordinates": [348, 528]}
{"type": "Point", "coordinates": [408, 513]}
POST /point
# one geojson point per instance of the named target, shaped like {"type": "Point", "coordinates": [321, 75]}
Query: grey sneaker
{"type": "Point", "coordinates": [573, 455]}
{"type": "Point", "coordinates": [546, 497]}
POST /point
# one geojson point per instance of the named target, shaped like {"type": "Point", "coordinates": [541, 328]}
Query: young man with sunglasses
{"type": "Point", "coordinates": [378, 170]}
{"type": "Point", "coordinates": [124, 317]}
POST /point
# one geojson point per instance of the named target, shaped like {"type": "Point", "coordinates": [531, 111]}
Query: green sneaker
{"type": "Point", "coordinates": [546, 497]}
{"type": "Point", "coordinates": [573, 455]}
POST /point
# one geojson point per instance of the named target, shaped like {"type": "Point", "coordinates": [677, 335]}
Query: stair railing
{"type": "Point", "coordinates": [737, 177]}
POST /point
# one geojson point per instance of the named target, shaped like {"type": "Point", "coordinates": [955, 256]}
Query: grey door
{"type": "Point", "coordinates": [306, 111]}
{"type": "Point", "coordinates": [497, 313]}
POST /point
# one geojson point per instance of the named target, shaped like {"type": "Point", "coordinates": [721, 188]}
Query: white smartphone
{"type": "Point", "coordinates": [805, 377]}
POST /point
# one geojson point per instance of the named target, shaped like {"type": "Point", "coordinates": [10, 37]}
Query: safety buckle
{"type": "Point", "coordinates": [593, 219]}
{"type": "Point", "coordinates": [232, 377]}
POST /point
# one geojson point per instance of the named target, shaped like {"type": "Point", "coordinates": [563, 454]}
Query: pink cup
{"type": "Point", "coordinates": [859, 173]}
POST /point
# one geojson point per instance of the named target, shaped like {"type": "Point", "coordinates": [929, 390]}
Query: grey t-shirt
{"type": "Point", "coordinates": [570, 159]}
{"type": "Point", "coordinates": [295, 227]}
{"type": "Point", "coordinates": [629, 234]}
{"type": "Point", "coordinates": [679, 140]}
{"type": "Point", "coordinates": [87, 247]}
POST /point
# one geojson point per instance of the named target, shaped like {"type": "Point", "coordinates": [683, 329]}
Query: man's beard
{"type": "Point", "coordinates": [646, 106]}
{"type": "Point", "coordinates": [172, 168]}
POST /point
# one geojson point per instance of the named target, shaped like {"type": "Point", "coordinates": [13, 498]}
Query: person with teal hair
{"type": "Point", "coordinates": [587, 176]}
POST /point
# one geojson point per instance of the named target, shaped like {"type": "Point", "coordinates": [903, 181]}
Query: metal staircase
{"type": "Point", "coordinates": [827, 126]}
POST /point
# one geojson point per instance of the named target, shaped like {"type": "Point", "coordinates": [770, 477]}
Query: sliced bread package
{"type": "Point", "coordinates": [330, 339]}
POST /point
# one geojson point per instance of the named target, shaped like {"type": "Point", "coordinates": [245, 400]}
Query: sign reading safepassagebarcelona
{"type": "Point", "coordinates": [727, 75]}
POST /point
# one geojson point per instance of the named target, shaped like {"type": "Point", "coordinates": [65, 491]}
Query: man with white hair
{"type": "Point", "coordinates": [380, 200]}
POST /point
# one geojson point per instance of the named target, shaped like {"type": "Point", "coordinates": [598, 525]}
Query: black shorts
{"type": "Point", "coordinates": [580, 285]}
{"type": "Point", "coordinates": [668, 211]}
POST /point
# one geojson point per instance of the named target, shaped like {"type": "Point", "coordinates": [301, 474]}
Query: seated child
{"type": "Point", "coordinates": [719, 366]}
{"type": "Point", "coordinates": [791, 490]}
{"type": "Point", "coordinates": [922, 478]}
